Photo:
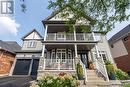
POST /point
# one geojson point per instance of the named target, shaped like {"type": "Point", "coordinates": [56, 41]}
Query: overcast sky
{"type": "Point", "coordinates": [21, 23]}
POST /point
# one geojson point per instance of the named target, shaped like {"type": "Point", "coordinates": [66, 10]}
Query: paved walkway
{"type": "Point", "coordinates": [15, 81]}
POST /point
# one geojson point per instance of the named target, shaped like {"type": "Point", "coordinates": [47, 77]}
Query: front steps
{"type": "Point", "coordinates": [93, 80]}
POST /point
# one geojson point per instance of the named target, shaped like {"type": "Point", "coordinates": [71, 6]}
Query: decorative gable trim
{"type": "Point", "coordinates": [34, 30]}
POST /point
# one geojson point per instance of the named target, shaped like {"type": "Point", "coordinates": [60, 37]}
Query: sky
{"type": "Point", "coordinates": [13, 29]}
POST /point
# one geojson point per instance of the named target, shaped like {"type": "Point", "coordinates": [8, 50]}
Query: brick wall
{"type": "Point", "coordinates": [6, 61]}
{"type": "Point", "coordinates": [123, 62]}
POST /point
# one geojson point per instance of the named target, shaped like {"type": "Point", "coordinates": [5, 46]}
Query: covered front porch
{"type": "Point", "coordinates": [64, 57]}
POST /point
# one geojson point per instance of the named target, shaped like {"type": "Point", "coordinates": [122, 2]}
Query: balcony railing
{"type": "Point", "coordinates": [69, 37]}
{"type": "Point", "coordinates": [59, 64]}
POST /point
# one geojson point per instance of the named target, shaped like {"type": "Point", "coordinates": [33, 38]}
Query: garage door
{"type": "Point", "coordinates": [22, 67]}
{"type": "Point", "coordinates": [35, 67]}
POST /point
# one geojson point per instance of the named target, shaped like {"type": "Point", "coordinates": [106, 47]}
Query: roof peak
{"type": "Point", "coordinates": [33, 30]}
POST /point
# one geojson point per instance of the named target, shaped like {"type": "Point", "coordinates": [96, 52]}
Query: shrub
{"type": "Point", "coordinates": [126, 85]}
{"type": "Point", "coordinates": [79, 71]}
{"type": "Point", "coordinates": [59, 81]}
{"type": "Point", "coordinates": [121, 75]}
{"type": "Point", "coordinates": [110, 70]}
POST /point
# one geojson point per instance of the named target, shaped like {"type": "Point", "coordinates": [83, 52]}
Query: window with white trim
{"type": "Point", "coordinates": [53, 56]}
{"type": "Point", "coordinates": [31, 43]}
{"type": "Point", "coordinates": [103, 54]}
{"type": "Point", "coordinates": [60, 36]}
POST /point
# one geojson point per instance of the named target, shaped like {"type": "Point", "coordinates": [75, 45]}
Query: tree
{"type": "Point", "coordinates": [102, 14]}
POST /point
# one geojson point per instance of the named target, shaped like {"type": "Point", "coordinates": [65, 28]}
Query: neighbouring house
{"type": "Point", "coordinates": [62, 50]}
{"type": "Point", "coordinates": [120, 48]}
{"type": "Point", "coordinates": [7, 55]}
{"type": "Point", "coordinates": [27, 59]}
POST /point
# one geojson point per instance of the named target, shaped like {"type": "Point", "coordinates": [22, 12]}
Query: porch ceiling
{"type": "Point", "coordinates": [79, 47]}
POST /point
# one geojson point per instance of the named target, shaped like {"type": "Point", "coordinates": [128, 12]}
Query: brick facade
{"type": "Point", "coordinates": [6, 61]}
{"type": "Point", "coordinates": [123, 62]}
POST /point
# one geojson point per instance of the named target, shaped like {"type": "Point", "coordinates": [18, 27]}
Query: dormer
{"type": "Point", "coordinates": [32, 41]}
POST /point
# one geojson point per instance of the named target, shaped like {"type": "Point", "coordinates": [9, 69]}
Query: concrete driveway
{"type": "Point", "coordinates": [15, 81]}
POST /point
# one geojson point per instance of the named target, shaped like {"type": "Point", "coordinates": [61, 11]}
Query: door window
{"type": "Point", "coordinates": [61, 55]}
{"type": "Point", "coordinates": [60, 36]}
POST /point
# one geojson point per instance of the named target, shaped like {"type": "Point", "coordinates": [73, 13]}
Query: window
{"type": "Point", "coordinates": [31, 43]}
{"type": "Point", "coordinates": [53, 58]}
{"type": "Point", "coordinates": [60, 36]}
{"type": "Point", "coordinates": [103, 54]}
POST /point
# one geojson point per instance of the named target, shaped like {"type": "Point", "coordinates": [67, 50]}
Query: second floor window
{"type": "Point", "coordinates": [31, 43]}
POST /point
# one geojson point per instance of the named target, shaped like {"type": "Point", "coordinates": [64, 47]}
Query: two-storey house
{"type": "Point", "coordinates": [62, 50]}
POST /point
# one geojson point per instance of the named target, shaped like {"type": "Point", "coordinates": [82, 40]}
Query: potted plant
{"type": "Point", "coordinates": [110, 70]}
{"type": "Point", "coordinates": [79, 71]}
{"type": "Point", "coordinates": [91, 66]}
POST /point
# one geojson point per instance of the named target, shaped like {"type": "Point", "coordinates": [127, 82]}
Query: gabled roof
{"type": "Point", "coordinates": [10, 46]}
{"type": "Point", "coordinates": [52, 15]}
{"type": "Point", "coordinates": [120, 34]}
{"type": "Point", "coordinates": [34, 30]}
{"type": "Point", "coordinates": [58, 11]}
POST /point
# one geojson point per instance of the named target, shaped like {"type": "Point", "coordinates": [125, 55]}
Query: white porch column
{"type": "Point", "coordinates": [74, 33]}
{"type": "Point", "coordinates": [75, 45]}
{"type": "Point", "coordinates": [45, 35]}
{"type": "Point", "coordinates": [76, 53]}
{"type": "Point", "coordinates": [43, 48]}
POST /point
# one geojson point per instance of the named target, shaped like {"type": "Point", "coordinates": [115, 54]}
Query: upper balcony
{"type": "Point", "coordinates": [85, 37]}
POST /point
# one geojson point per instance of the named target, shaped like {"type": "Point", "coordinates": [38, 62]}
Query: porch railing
{"type": "Point", "coordinates": [69, 37]}
{"type": "Point", "coordinates": [59, 64]}
{"type": "Point", "coordinates": [84, 70]}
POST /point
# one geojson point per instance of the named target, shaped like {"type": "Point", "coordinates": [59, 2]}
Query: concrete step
{"type": "Point", "coordinates": [94, 78]}
{"type": "Point", "coordinates": [94, 84]}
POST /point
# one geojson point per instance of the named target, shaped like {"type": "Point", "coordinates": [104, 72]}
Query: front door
{"type": "Point", "coordinates": [84, 59]}
{"type": "Point", "coordinates": [61, 55]}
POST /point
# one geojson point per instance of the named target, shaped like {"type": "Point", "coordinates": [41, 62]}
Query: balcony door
{"type": "Point", "coordinates": [60, 36]}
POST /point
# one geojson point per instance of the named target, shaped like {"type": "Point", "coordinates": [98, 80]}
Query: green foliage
{"type": "Point", "coordinates": [121, 75]}
{"type": "Point", "coordinates": [107, 62]}
{"type": "Point", "coordinates": [79, 70]}
{"type": "Point", "coordinates": [59, 81]}
{"type": "Point", "coordinates": [126, 85]}
{"type": "Point", "coordinates": [110, 67]}
{"type": "Point", "coordinates": [102, 14]}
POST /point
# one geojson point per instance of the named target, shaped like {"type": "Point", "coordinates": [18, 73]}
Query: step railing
{"type": "Point", "coordinates": [101, 67]}
{"type": "Point", "coordinates": [84, 70]}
